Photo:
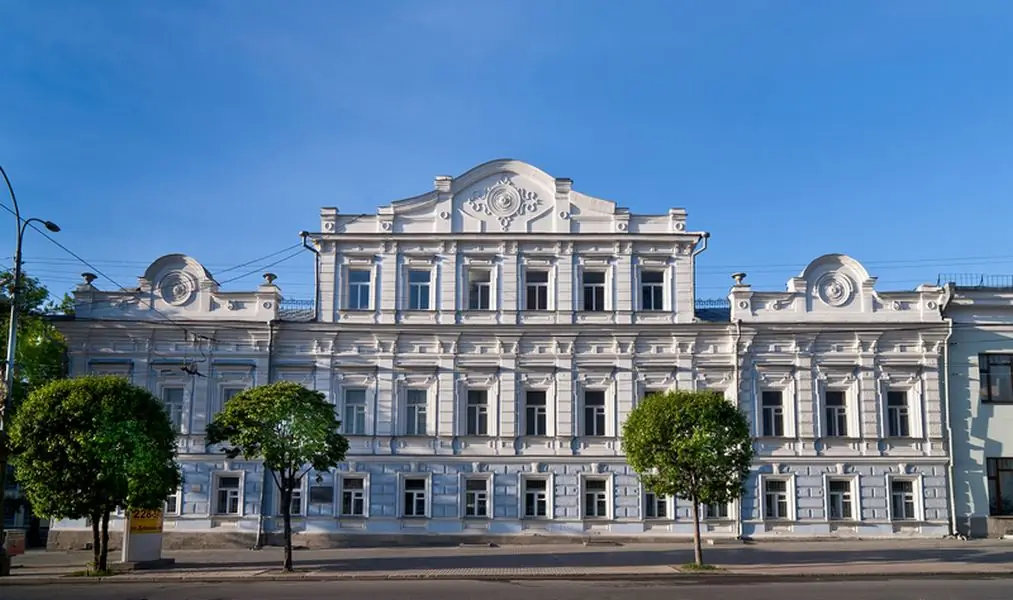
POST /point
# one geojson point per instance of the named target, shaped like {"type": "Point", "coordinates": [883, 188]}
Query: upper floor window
{"type": "Point", "coordinates": [996, 378]}
{"type": "Point", "coordinates": [415, 412]}
{"type": "Point", "coordinates": [898, 422]}
{"type": "Point", "coordinates": [478, 412]}
{"type": "Point", "coordinates": [652, 290]}
{"type": "Point", "coordinates": [479, 289]}
{"type": "Point", "coordinates": [358, 289]}
{"type": "Point", "coordinates": [537, 290]}
{"type": "Point", "coordinates": [772, 417]}
{"type": "Point", "coordinates": [594, 412]}
{"type": "Point", "coordinates": [355, 412]}
{"type": "Point", "coordinates": [172, 399]}
{"type": "Point", "coordinates": [594, 291]}
{"type": "Point", "coordinates": [418, 289]}
{"type": "Point", "coordinates": [535, 413]}
{"type": "Point", "coordinates": [835, 402]}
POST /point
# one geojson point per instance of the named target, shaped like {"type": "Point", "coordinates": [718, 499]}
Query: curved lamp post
{"type": "Point", "coordinates": [12, 340]}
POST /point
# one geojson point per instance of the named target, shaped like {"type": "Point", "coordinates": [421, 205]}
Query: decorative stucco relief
{"type": "Point", "coordinates": [504, 200]}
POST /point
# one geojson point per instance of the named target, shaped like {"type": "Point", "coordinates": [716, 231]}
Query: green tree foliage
{"type": "Point", "coordinates": [692, 445]}
{"type": "Point", "coordinates": [292, 429]}
{"type": "Point", "coordinates": [87, 446]}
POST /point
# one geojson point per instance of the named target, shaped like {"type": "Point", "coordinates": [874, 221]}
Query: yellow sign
{"type": "Point", "coordinates": [145, 521]}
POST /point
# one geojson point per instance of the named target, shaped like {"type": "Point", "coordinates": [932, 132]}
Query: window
{"type": "Point", "coordinates": [296, 504]}
{"type": "Point", "coordinates": [478, 412]}
{"type": "Point", "coordinates": [358, 289]}
{"type": "Point", "coordinates": [718, 510]}
{"type": "Point", "coordinates": [655, 506]}
{"type": "Point", "coordinates": [773, 414]}
{"type": "Point", "coordinates": [537, 284]}
{"type": "Point", "coordinates": [418, 289]}
{"type": "Point", "coordinates": [414, 497]}
{"type": "Point", "coordinates": [479, 289]}
{"type": "Point", "coordinates": [321, 500]}
{"type": "Point", "coordinates": [172, 400]}
{"type": "Point", "coordinates": [354, 422]}
{"type": "Point", "coordinates": [594, 413]}
{"type": "Point", "coordinates": [594, 291]}
{"type": "Point", "coordinates": [172, 503]}
{"type": "Point", "coordinates": [535, 421]}
{"type": "Point", "coordinates": [1000, 486]}
{"type": "Point", "coordinates": [840, 500]}
{"type": "Point", "coordinates": [476, 498]}
{"type": "Point", "coordinates": [775, 496]}
{"type": "Point", "coordinates": [415, 412]}
{"type": "Point", "coordinates": [897, 417]}
{"type": "Point", "coordinates": [353, 497]}
{"type": "Point", "coordinates": [996, 377]}
{"type": "Point", "coordinates": [228, 500]}
{"type": "Point", "coordinates": [227, 394]}
{"type": "Point", "coordinates": [595, 499]}
{"type": "Point", "coordinates": [536, 498]}
{"type": "Point", "coordinates": [836, 409]}
{"type": "Point", "coordinates": [902, 499]}
{"type": "Point", "coordinates": [652, 290]}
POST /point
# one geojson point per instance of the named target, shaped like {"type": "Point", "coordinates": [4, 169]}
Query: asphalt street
{"type": "Point", "coordinates": [925, 589]}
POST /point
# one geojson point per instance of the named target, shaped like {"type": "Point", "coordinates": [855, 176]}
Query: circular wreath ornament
{"type": "Point", "coordinates": [835, 289]}
{"type": "Point", "coordinates": [177, 288]}
{"type": "Point", "coordinates": [503, 200]}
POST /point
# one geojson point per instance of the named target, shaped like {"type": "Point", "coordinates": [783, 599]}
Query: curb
{"type": "Point", "coordinates": [716, 578]}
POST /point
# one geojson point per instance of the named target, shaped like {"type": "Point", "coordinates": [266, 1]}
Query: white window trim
{"type": "Point", "coordinates": [851, 406]}
{"type": "Point", "coordinates": [402, 409]}
{"type": "Point", "coordinates": [670, 505]}
{"type": "Point", "coordinates": [358, 264]}
{"type": "Point", "coordinates": [610, 408]}
{"type": "Point", "coordinates": [463, 478]}
{"type": "Point", "coordinates": [788, 405]}
{"type": "Point", "coordinates": [550, 495]}
{"type": "Point", "coordinates": [914, 397]}
{"type": "Point", "coordinates": [179, 504]}
{"type": "Point", "coordinates": [550, 410]}
{"type": "Point", "coordinates": [184, 409]}
{"type": "Point", "coordinates": [610, 495]}
{"type": "Point", "coordinates": [401, 477]}
{"type": "Point", "coordinates": [213, 504]}
{"type": "Point", "coordinates": [918, 489]}
{"type": "Point", "coordinates": [417, 264]}
{"type": "Point", "coordinates": [369, 399]}
{"type": "Point", "coordinates": [732, 508]}
{"type": "Point", "coordinates": [856, 496]}
{"type": "Point", "coordinates": [790, 490]}
{"type": "Point", "coordinates": [302, 488]}
{"type": "Point", "coordinates": [595, 265]}
{"type": "Point", "coordinates": [551, 287]}
{"type": "Point", "coordinates": [667, 286]}
{"type": "Point", "coordinates": [224, 386]}
{"type": "Point", "coordinates": [479, 265]}
{"type": "Point", "coordinates": [339, 488]}
{"type": "Point", "coordinates": [491, 406]}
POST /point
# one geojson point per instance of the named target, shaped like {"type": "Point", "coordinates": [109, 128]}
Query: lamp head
{"type": "Point", "coordinates": [51, 226]}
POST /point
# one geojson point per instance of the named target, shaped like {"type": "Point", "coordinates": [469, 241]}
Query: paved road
{"type": "Point", "coordinates": [933, 589]}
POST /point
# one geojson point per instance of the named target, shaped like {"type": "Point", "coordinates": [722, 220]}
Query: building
{"type": "Point", "coordinates": [980, 394]}
{"type": "Point", "coordinates": [484, 342]}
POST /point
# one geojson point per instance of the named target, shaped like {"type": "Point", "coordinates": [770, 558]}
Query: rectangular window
{"type": "Point", "coordinates": [595, 499]}
{"type": "Point", "coordinates": [478, 412]}
{"type": "Point", "coordinates": [840, 500]}
{"type": "Point", "coordinates": [476, 498]}
{"type": "Point", "coordinates": [227, 394]}
{"type": "Point", "coordinates": [296, 502]}
{"type": "Point", "coordinates": [594, 291]}
{"type": "Point", "coordinates": [897, 415]}
{"type": "Point", "coordinates": [414, 497]}
{"type": "Point", "coordinates": [594, 413]}
{"type": "Point", "coordinates": [652, 290]}
{"type": "Point", "coordinates": [358, 289]}
{"type": "Point", "coordinates": [418, 289]}
{"type": "Point", "coordinates": [354, 422]}
{"type": "Point", "coordinates": [718, 510]}
{"type": "Point", "coordinates": [479, 289]}
{"type": "Point", "coordinates": [321, 500]}
{"type": "Point", "coordinates": [535, 420]}
{"type": "Point", "coordinates": [172, 503]}
{"type": "Point", "coordinates": [1000, 486]}
{"type": "Point", "coordinates": [902, 499]}
{"type": "Point", "coordinates": [773, 414]}
{"type": "Point", "coordinates": [353, 497]}
{"type": "Point", "coordinates": [775, 495]}
{"type": "Point", "coordinates": [172, 400]}
{"type": "Point", "coordinates": [537, 290]}
{"type": "Point", "coordinates": [836, 409]}
{"type": "Point", "coordinates": [655, 506]}
{"type": "Point", "coordinates": [536, 498]}
{"type": "Point", "coordinates": [228, 500]}
{"type": "Point", "coordinates": [415, 412]}
{"type": "Point", "coordinates": [996, 377]}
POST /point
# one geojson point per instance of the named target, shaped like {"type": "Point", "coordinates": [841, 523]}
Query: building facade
{"type": "Point", "coordinates": [484, 343]}
{"type": "Point", "coordinates": [980, 395]}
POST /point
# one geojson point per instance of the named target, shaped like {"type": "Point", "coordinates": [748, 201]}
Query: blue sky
{"type": "Point", "coordinates": [787, 129]}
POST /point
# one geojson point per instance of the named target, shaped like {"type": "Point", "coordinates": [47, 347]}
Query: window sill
{"type": "Point", "coordinates": [536, 519]}
{"type": "Point", "coordinates": [352, 517]}
{"type": "Point", "coordinates": [477, 519]}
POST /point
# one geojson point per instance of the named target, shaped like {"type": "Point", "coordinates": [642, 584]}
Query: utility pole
{"type": "Point", "coordinates": [12, 342]}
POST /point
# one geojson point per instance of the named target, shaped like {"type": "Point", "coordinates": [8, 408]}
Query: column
{"type": "Point", "coordinates": [328, 282]}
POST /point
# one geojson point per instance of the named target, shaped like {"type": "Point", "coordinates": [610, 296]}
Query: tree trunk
{"type": "Point", "coordinates": [697, 549]}
{"type": "Point", "coordinates": [104, 556]}
{"type": "Point", "coordinates": [286, 514]}
{"type": "Point", "coordinates": [96, 541]}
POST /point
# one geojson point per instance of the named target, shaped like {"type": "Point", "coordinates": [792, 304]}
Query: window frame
{"type": "Point", "coordinates": [604, 412]}
{"type": "Point", "coordinates": [418, 290]}
{"type": "Point", "coordinates": [408, 422]}
{"type": "Point", "coordinates": [550, 496]}
{"type": "Point", "coordinates": [488, 414]}
{"type": "Point", "coordinates": [216, 488]}
{"type": "Point", "coordinates": [904, 409]}
{"type": "Point", "coordinates": [179, 427]}
{"type": "Point", "coordinates": [226, 392]}
{"type": "Point", "coordinates": [778, 410]}
{"type": "Point", "coordinates": [607, 479]}
{"type": "Point", "coordinates": [178, 510]}
{"type": "Point", "coordinates": [603, 286]}
{"type": "Point", "coordinates": [357, 286]}
{"type": "Point", "coordinates": [339, 495]}
{"type": "Point", "coordinates": [985, 375]}
{"type": "Point", "coordinates": [917, 500]}
{"type": "Point", "coordinates": [427, 497]}
{"type": "Point", "coordinates": [658, 295]}
{"type": "Point", "coordinates": [473, 302]}
{"type": "Point", "coordinates": [997, 479]}
{"type": "Point", "coordinates": [526, 418]}
{"type": "Point", "coordinates": [705, 511]}
{"type": "Point", "coordinates": [535, 287]}
{"type": "Point", "coordinates": [300, 489]}
{"type": "Point", "coordinates": [843, 411]}
{"type": "Point", "coordinates": [344, 410]}
{"type": "Point", "coordinates": [854, 489]}
{"type": "Point", "coordinates": [790, 493]}
{"type": "Point", "coordinates": [487, 478]}
{"type": "Point", "coordinates": [651, 500]}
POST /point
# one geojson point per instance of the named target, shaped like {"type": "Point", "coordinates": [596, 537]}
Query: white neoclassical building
{"type": "Point", "coordinates": [484, 343]}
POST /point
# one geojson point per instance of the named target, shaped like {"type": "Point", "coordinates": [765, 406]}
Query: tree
{"type": "Point", "coordinates": [84, 447]}
{"type": "Point", "coordinates": [40, 355]}
{"type": "Point", "coordinates": [692, 445]}
{"type": "Point", "coordinates": [292, 429]}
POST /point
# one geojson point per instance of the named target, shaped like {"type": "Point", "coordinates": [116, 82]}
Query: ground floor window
{"type": "Point", "coordinates": [476, 498]}
{"type": "Point", "coordinates": [718, 510]}
{"type": "Point", "coordinates": [902, 500]}
{"type": "Point", "coordinates": [655, 506]}
{"type": "Point", "coordinates": [596, 498]}
{"type": "Point", "coordinates": [415, 497]}
{"type": "Point", "coordinates": [775, 496]}
{"type": "Point", "coordinates": [536, 498]}
{"type": "Point", "coordinates": [353, 496]}
{"type": "Point", "coordinates": [1000, 486]}
{"type": "Point", "coordinates": [228, 497]}
{"type": "Point", "coordinates": [840, 500]}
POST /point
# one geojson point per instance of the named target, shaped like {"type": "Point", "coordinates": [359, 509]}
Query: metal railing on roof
{"type": "Point", "coordinates": [976, 281]}
{"type": "Point", "coordinates": [296, 310]}
{"type": "Point", "coordinates": [712, 303]}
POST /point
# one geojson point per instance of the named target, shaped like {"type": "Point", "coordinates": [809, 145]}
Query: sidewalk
{"type": "Point", "coordinates": [759, 560]}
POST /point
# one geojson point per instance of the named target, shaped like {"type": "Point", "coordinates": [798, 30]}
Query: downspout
{"type": "Point", "coordinates": [735, 381]}
{"type": "Point", "coordinates": [697, 252]}
{"type": "Point", "coordinates": [316, 272]}
{"type": "Point", "coordinates": [951, 462]}
{"type": "Point", "coordinates": [266, 483]}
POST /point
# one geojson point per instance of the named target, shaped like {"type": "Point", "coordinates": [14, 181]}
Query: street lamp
{"type": "Point", "coordinates": [12, 339]}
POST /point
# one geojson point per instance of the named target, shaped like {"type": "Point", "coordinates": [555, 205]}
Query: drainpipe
{"type": "Point", "coordinates": [951, 461]}
{"type": "Point", "coordinates": [697, 252]}
{"type": "Point", "coordinates": [316, 272]}
{"type": "Point", "coordinates": [263, 487]}
{"type": "Point", "coordinates": [735, 381]}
